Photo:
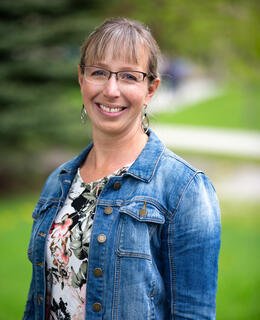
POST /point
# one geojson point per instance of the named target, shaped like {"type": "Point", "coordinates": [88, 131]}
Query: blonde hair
{"type": "Point", "coordinates": [123, 37]}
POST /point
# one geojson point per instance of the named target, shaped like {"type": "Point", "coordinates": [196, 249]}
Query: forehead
{"type": "Point", "coordinates": [131, 53]}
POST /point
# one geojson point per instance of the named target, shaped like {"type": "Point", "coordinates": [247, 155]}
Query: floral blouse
{"type": "Point", "coordinates": [67, 248]}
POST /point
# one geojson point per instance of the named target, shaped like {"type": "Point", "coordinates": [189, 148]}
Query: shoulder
{"type": "Point", "coordinates": [182, 182]}
{"type": "Point", "coordinates": [196, 193]}
{"type": "Point", "coordinates": [173, 160]}
{"type": "Point", "coordinates": [176, 170]}
{"type": "Point", "coordinates": [63, 174]}
{"type": "Point", "coordinates": [52, 185]}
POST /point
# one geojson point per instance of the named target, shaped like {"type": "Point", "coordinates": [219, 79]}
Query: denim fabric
{"type": "Point", "coordinates": [158, 263]}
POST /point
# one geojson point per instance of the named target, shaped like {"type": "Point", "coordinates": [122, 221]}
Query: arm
{"type": "Point", "coordinates": [193, 238]}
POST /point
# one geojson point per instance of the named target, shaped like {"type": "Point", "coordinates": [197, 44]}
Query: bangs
{"type": "Point", "coordinates": [121, 39]}
{"type": "Point", "coordinates": [123, 44]}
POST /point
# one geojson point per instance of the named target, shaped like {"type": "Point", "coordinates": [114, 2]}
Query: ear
{"type": "Point", "coordinates": [80, 76]}
{"type": "Point", "coordinates": [152, 87]}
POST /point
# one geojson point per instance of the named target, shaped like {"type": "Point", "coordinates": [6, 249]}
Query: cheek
{"type": "Point", "coordinates": [136, 96]}
{"type": "Point", "coordinates": [88, 92]}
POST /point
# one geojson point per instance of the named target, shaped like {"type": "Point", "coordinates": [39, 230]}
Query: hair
{"type": "Point", "coordinates": [123, 37]}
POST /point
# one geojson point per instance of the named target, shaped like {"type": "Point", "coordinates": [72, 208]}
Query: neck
{"type": "Point", "coordinates": [111, 152]}
{"type": "Point", "coordinates": [119, 149]}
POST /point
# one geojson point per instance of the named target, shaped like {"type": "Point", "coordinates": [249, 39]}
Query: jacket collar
{"type": "Point", "coordinates": [73, 165]}
{"type": "Point", "coordinates": [144, 166]}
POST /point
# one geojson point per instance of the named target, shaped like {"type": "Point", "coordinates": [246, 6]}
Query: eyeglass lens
{"type": "Point", "coordinates": [100, 76]}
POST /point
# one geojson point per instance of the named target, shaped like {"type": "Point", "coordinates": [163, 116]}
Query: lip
{"type": "Point", "coordinates": [110, 114]}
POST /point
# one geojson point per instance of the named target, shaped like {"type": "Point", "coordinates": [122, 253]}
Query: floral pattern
{"type": "Point", "coordinates": [67, 249]}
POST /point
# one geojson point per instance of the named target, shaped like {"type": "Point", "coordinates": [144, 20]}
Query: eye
{"type": "Point", "coordinates": [98, 73]}
{"type": "Point", "coordinates": [129, 76]}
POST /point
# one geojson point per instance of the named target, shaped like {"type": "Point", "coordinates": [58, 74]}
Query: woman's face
{"type": "Point", "coordinates": [114, 108]}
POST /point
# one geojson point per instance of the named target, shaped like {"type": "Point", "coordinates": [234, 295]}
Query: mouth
{"type": "Point", "coordinates": [110, 108]}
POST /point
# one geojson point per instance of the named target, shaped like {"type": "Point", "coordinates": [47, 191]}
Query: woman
{"type": "Point", "coordinates": [127, 230]}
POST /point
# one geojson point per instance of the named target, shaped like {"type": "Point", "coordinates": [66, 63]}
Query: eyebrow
{"type": "Point", "coordinates": [124, 68]}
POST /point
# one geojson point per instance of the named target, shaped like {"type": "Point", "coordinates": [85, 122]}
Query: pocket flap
{"type": "Point", "coordinates": [143, 211]}
{"type": "Point", "coordinates": [40, 207]}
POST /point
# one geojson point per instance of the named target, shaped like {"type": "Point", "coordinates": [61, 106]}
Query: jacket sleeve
{"type": "Point", "coordinates": [193, 243]}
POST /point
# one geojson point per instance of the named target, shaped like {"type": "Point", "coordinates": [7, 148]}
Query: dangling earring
{"type": "Point", "coordinates": [145, 120]}
{"type": "Point", "coordinates": [83, 115]}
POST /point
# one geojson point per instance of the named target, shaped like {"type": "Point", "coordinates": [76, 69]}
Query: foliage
{"type": "Point", "coordinates": [239, 281]}
{"type": "Point", "coordinates": [223, 34]}
{"type": "Point", "coordinates": [39, 53]}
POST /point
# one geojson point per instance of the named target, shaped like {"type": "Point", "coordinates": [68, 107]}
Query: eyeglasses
{"type": "Point", "coordinates": [100, 76]}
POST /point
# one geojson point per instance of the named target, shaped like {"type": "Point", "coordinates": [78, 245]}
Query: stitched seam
{"type": "Point", "coordinates": [112, 222]}
{"type": "Point", "coordinates": [151, 201]}
{"type": "Point", "coordinates": [151, 297]}
{"type": "Point", "coordinates": [172, 270]}
{"type": "Point", "coordinates": [133, 214]}
{"type": "Point", "coordinates": [130, 254]}
{"type": "Point", "coordinates": [89, 259]}
{"type": "Point", "coordinates": [156, 164]}
{"type": "Point", "coordinates": [116, 288]}
{"type": "Point", "coordinates": [154, 168]}
{"type": "Point", "coordinates": [182, 161]}
{"type": "Point", "coordinates": [116, 273]}
{"type": "Point", "coordinates": [137, 177]}
{"type": "Point", "coordinates": [116, 203]}
{"type": "Point", "coordinates": [135, 199]}
{"type": "Point", "coordinates": [36, 272]}
{"type": "Point", "coordinates": [185, 188]}
{"type": "Point", "coordinates": [41, 210]}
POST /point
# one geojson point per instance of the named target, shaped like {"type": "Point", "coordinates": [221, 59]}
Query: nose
{"type": "Point", "coordinates": [111, 87]}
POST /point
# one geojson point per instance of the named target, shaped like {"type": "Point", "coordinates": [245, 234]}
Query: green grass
{"type": "Point", "coordinates": [238, 107]}
{"type": "Point", "coordinates": [239, 279]}
{"type": "Point", "coordinates": [15, 270]}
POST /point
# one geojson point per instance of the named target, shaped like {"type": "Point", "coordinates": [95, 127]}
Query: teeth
{"type": "Point", "coordinates": [110, 109]}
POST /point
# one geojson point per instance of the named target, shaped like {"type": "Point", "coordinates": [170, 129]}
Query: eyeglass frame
{"type": "Point", "coordinates": [148, 75]}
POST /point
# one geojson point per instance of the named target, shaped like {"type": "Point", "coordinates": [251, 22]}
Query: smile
{"type": "Point", "coordinates": [110, 108]}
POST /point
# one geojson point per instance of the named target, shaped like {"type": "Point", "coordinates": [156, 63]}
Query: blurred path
{"type": "Point", "coordinates": [238, 181]}
{"type": "Point", "coordinates": [186, 95]}
{"type": "Point", "coordinates": [210, 140]}
{"type": "Point", "coordinates": [202, 139]}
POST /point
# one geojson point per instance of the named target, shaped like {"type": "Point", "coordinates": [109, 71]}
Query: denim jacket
{"type": "Point", "coordinates": [160, 244]}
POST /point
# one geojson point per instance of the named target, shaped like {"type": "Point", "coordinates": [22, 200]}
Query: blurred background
{"type": "Point", "coordinates": [207, 110]}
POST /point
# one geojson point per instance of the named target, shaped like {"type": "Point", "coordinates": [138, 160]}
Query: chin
{"type": "Point", "coordinates": [114, 129]}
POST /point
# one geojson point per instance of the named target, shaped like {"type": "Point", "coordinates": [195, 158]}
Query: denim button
{"type": "Point", "coordinates": [117, 185]}
{"type": "Point", "coordinates": [101, 238]}
{"type": "Point", "coordinates": [39, 299]}
{"type": "Point", "coordinates": [98, 272]}
{"type": "Point", "coordinates": [108, 210]}
{"type": "Point", "coordinates": [41, 234]}
{"type": "Point", "coordinates": [39, 264]}
{"type": "Point", "coordinates": [142, 212]}
{"type": "Point", "coordinates": [97, 306]}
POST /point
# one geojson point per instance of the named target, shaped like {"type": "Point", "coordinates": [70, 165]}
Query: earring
{"type": "Point", "coordinates": [145, 120]}
{"type": "Point", "coordinates": [83, 115]}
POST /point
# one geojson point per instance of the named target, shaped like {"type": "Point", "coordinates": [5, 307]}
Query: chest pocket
{"type": "Point", "coordinates": [38, 216]}
{"type": "Point", "coordinates": [139, 230]}
{"type": "Point", "coordinates": [41, 206]}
